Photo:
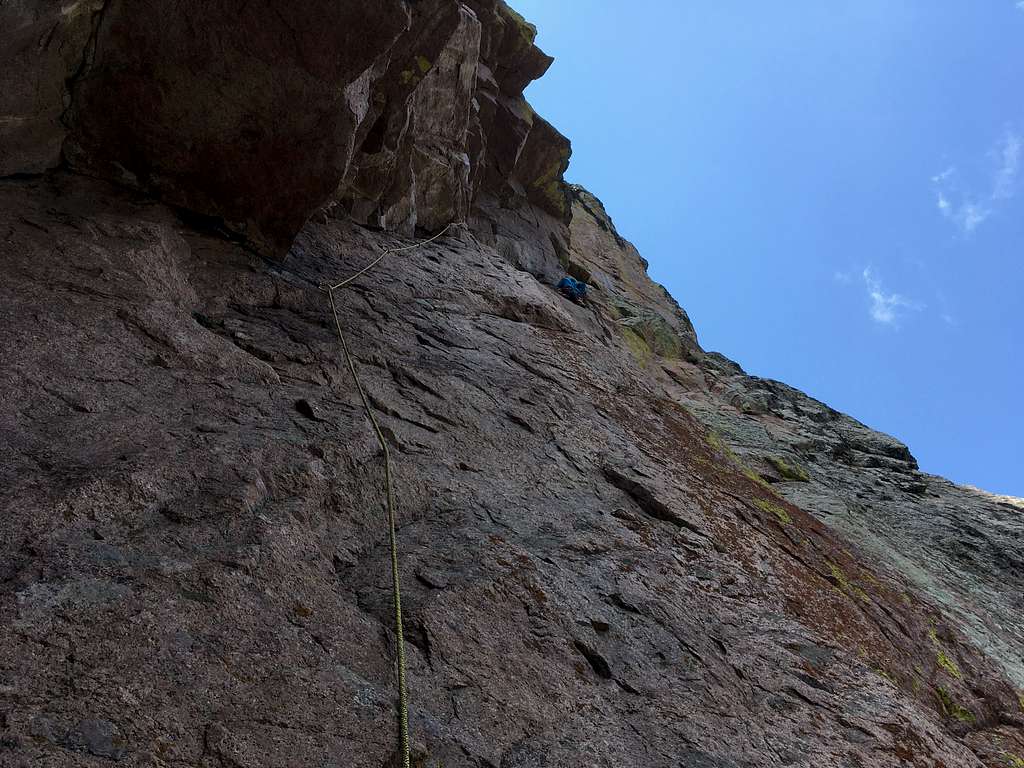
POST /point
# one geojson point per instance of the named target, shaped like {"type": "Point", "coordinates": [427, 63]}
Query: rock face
{"type": "Point", "coordinates": [405, 114]}
{"type": "Point", "coordinates": [961, 547]}
{"type": "Point", "coordinates": [617, 549]}
{"type": "Point", "coordinates": [41, 47]}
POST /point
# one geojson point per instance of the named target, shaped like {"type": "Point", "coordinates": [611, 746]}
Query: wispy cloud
{"type": "Point", "coordinates": [971, 215]}
{"type": "Point", "coordinates": [956, 205]}
{"type": "Point", "coordinates": [926, 282]}
{"type": "Point", "coordinates": [968, 209]}
{"type": "Point", "coordinates": [1009, 164]}
{"type": "Point", "coordinates": [1020, 5]}
{"type": "Point", "coordinates": [886, 308]}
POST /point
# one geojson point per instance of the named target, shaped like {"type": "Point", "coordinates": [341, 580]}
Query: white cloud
{"type": "Point", "coordinates": [971, 215]}
{"type": "Point", "coordinates": [944, 310]}
{"type": "Point", "coordinates": [1020, 5]}
{"type": "Point", "coordinates": [886, 308]}
{"type": "Point", "coordinates": [1009, 163]}
{"type": "Point", "coordinates": [964, 207]}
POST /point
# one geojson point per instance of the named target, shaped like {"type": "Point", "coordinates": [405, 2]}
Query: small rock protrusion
{"type": "Point", "coordinates": [308, 409]}
{"type": "Point", "coordinates": [597, 662]}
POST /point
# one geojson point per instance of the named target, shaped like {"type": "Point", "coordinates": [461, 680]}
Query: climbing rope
{"type": "Point", "coordinates": [396, 591]}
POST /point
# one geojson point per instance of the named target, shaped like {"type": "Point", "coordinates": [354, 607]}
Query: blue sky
{"type": "Point", "coordinates": [833, 191]}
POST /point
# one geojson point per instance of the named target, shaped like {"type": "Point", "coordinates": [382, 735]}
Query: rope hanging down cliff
{"type": "Point", "coordinates": [403, 694]}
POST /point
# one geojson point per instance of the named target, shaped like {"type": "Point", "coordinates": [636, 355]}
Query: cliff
{"type": "Point", "coordinates": [617, 549]}
{"type": "Point", "coordinates": [257, 115]}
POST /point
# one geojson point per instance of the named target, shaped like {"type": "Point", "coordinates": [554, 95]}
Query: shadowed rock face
{"type": "Point", "coordinates": [258, 114]}
{"type": "Point", "coordinates": [42, 46]}
{"type": "Point", "coordinates": [617, 549]}
{"type": "Point", "coordinates": [244, 111]}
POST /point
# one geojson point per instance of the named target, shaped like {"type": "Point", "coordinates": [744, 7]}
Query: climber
{"type": "Point", "coordinates": [573, 289]}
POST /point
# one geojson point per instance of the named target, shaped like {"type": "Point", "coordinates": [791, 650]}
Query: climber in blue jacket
{"type": "Point", "coordinates": [572, 288]}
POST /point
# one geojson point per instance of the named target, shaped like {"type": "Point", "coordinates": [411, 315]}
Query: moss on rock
{"type": "Point", "coordinates": [952, 709]}
{"type": "Point", "coordinates": [788, 471]}
{"type": "Point", "coordinates": [844, 585]}
{"type": "Point", "coordinates": [942, 659]}
{"type": "Point", "coordinates": [755, 478]}
{"type": "Point", "coordinates": [780, 512]}
{"type": "Point", "coordinates": [637, 346]}
{"type": "Point", "coordinates": [715, 441]}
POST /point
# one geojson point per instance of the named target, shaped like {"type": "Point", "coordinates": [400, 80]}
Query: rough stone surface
{"type": "Point", "coordinates": [617, 549]}
{"type": "Point", "coordinates": [195, 567]}
{"type": "Point", "coordinates": [243, 111]}
{"type": "Point", "coordinates": [259, 114]}
{"type": "Point", "coordinates": [960, 546]}
{"type": "Point", "coordinates": [42, 46]}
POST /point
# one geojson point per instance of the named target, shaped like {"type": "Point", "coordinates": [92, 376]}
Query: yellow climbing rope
{"type": "Point", "coordinates": [396, 591]}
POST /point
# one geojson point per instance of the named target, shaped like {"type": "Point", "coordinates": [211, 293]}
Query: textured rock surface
{"type": "Point", "coordinates": [194, 566]}
{"type": "Point", "coordinates": [617, 549]}
{"type": "Point", "coordinates": [960, 546]}
{"type": "Point", "coordinates": [42, 46]}
{"type": "Point", "coordinates": [244, 111]}
{"type": "Point", "coordinates": [258, 114]}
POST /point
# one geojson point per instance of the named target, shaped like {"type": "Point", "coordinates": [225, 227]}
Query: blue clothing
{"type": "Point", "coordinates": [572, 288]}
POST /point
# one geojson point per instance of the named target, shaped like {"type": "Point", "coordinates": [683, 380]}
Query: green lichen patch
{"type": "Point", "coordinates": [769, 507]}
{"type": "Point", "coordinates": [637, 346]}
{"type": "Point", "coordinates": [952, 709]}
{"type": "Point", "coordinates": [660, 335]}
{"type": "Point", "coordinates": [870, 577]}
{"type": "Point", "coordinates": [948, 664]}
{"type": "Point", "coordinates": [942, 659]}
{"type": "Point", "coordinates": [718, 444]}
{"type": "Point", "coordinates": [838, 576]}
{"type": "Point", "coordinates": [843, 584]}
{"type": "Point", "coordinates": [424, 64]}
{"type": "Point", "coordinates": [756, 478]}
{"type": "Point", "coordinates": [1013, 760]}
{"type": "Point", "coordinates": [789, 471]}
